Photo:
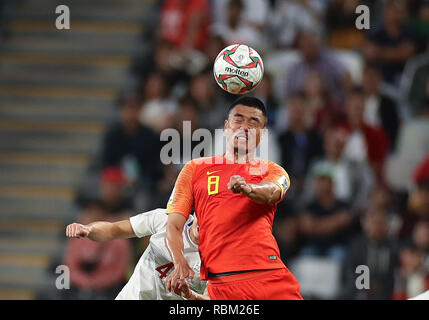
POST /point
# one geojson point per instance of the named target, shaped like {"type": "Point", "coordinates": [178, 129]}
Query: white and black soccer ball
{"type": "Point", "coordinates": [238, 69]}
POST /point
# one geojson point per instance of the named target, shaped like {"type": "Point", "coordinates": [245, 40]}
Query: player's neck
{"type": "Point", "coordinates": [238, 157]}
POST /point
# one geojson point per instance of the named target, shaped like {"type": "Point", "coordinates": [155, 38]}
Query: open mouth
{"type": "Point", "coordinates": [242, 136]}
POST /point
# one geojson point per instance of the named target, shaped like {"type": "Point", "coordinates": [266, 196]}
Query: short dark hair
{"type": "Point", "coordinates": [249, 102]}
{"type": "Point", "coordinates": [237, 3]}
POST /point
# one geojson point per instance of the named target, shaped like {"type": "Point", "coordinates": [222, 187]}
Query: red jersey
{"type": "Point", "coordinates": [235, 231]}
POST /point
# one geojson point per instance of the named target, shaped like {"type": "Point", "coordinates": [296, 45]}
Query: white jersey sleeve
{"type": "Point", "coordinates": [149, 223]}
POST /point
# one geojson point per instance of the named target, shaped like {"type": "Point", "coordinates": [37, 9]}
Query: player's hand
{"type": "Point", "coordinates": [184, 291]}
{"type": "Point", "coordinates": [77, 230]}
{"type": "Point", "coordinates": [176, 279]}
{"type": "Point", "coordinates": [237, 184]}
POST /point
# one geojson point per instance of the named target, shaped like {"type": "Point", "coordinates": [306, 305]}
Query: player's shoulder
{"type": "Point", "coordinates": [158, 213]}
{"type": "Point", "coordinates": [149, 222]}
{"type": "Point", "coordinates": [270, 165]}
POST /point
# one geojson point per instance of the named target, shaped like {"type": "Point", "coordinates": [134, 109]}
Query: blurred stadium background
{"type": "Point", "coordinates": [81, 111]}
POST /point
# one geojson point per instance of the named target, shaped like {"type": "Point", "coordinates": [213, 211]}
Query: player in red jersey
{"type": "Point", "coordinates": [235, 197]}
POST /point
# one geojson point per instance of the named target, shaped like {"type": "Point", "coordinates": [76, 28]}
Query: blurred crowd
{"type": "Point", "coordinates": [348, 115]}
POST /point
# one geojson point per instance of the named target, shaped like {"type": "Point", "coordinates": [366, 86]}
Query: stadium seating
{"type": "Point", "coordinates": [57, 92]}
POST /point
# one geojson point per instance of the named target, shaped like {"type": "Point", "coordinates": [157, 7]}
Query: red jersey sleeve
{"type": "Point", "coordinates": [279, 176]}
{"type": "Point", "coordinates": [182, 198]}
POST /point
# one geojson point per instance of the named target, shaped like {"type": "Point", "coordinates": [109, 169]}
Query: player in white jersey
{"type": "Point", "coordinates": [146, 283]}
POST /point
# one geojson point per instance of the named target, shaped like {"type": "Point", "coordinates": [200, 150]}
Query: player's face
{"type": "Point", "coordinates": [244, 128]}
{"type": "Point", "coordinates": [111, 192]}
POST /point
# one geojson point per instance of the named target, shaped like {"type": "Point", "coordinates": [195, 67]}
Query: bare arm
{"type": "Point", "coordinates": [392, 54]}
{"type": "Point", "coordinates": [101, 231]}
{"type": "Point", "coordinates": [398, 54]}
{"type": "Point", "coordinates": [173, 238]}
{"type": "Point", "coordinates": [174, 243]}
{"type": "Point", "coordinates": [264, 192]}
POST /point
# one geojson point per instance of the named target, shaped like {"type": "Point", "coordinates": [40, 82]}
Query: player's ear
{"type": "Point", "coordinates": [262, 132]}
{"type": "Point", "coordinates": [226, 125]}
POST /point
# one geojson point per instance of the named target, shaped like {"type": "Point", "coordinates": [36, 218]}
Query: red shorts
{"type": "Point", "coordinates": [278, 284]}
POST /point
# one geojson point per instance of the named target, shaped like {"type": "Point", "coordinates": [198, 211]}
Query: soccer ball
{"type": "Point", "coordinates": [238, 69]}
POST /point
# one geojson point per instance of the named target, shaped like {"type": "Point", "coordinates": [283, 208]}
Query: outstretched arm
{"type": "Point", "coordinates": [101, 231]}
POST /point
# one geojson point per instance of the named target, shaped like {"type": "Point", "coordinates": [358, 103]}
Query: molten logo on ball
{"type": "Point", "coordinates": [236, 71]}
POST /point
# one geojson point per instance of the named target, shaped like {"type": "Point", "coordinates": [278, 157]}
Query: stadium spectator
{"type": "Point", "coordinates": [112, 200]}
{"type": "Point", "coordinates": [352, 178]}
{"type": "Point", "coordinates": [392, 42]}
{"type": "Point", "coordinates": [418, 205]}
{"type": "Point", "coordinates": [421, 239]}
{"type": "Point", "coordinates": [210, 102]}
{"type": "Point", "coordinates": [414, 86]}
{"type": "Point", "coordinates": [414, 137]}
{"type": "Point", "coordinates": [97, 271]}
{"type": "Point", "coordinates": [410, 277]}
{"type": "Point", "coordinates": [366, 142]}
{"type": "Point", "coordinates": [129, 144]}
{"type": "Point", "coordinates": [341, 24]}
{"type": "Point", "coordinates": [324, 112]}
{"type": "Point", "coordinates": [381, 199]}
{"type": "Point", "coordinates": [421, 24]}
{"type": "Point", "coordinates": [421, 173]}
{"type": "Point", "coordinates": [234, 30]}
{"type": "Point", "coordinates": [214, 46]}
{"type": "Point", "coordinates": [161, 58]}
{"type": "Point", "coordinates": [158, 109]}
{"type": "Point", "coordinates": [378, 252]}
{"type": "Point", "coordinates": [186, 122]}
{"type": "Point", "coordinates": [286, 230]}
{"type": "Point", "coordinates": [412, 147]}
{"type": "Point", "coordinates": [255, 12]}
{"type": "Point", "coordinates": [187, 111]}
{"type": "Point", "coordinates": [300, 145]}
{"type": "Point", "coordinates": [315, 57]}
{"type": "Point", "coordinates": [380, 109]}
{"type": "Point", "coordinates": [185, 23]}
{"type": "Point", "coordinates": [289, 17]}
{"type": "Point", "coordinates": [165, 186]}
{"type": "Point", "coordinates": [325, 222]}
{"type": "Point", "coordinates": [265, 92]}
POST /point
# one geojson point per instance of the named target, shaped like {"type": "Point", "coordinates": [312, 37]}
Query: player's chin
{"type": "Point", "coordinates": [240, 148]}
